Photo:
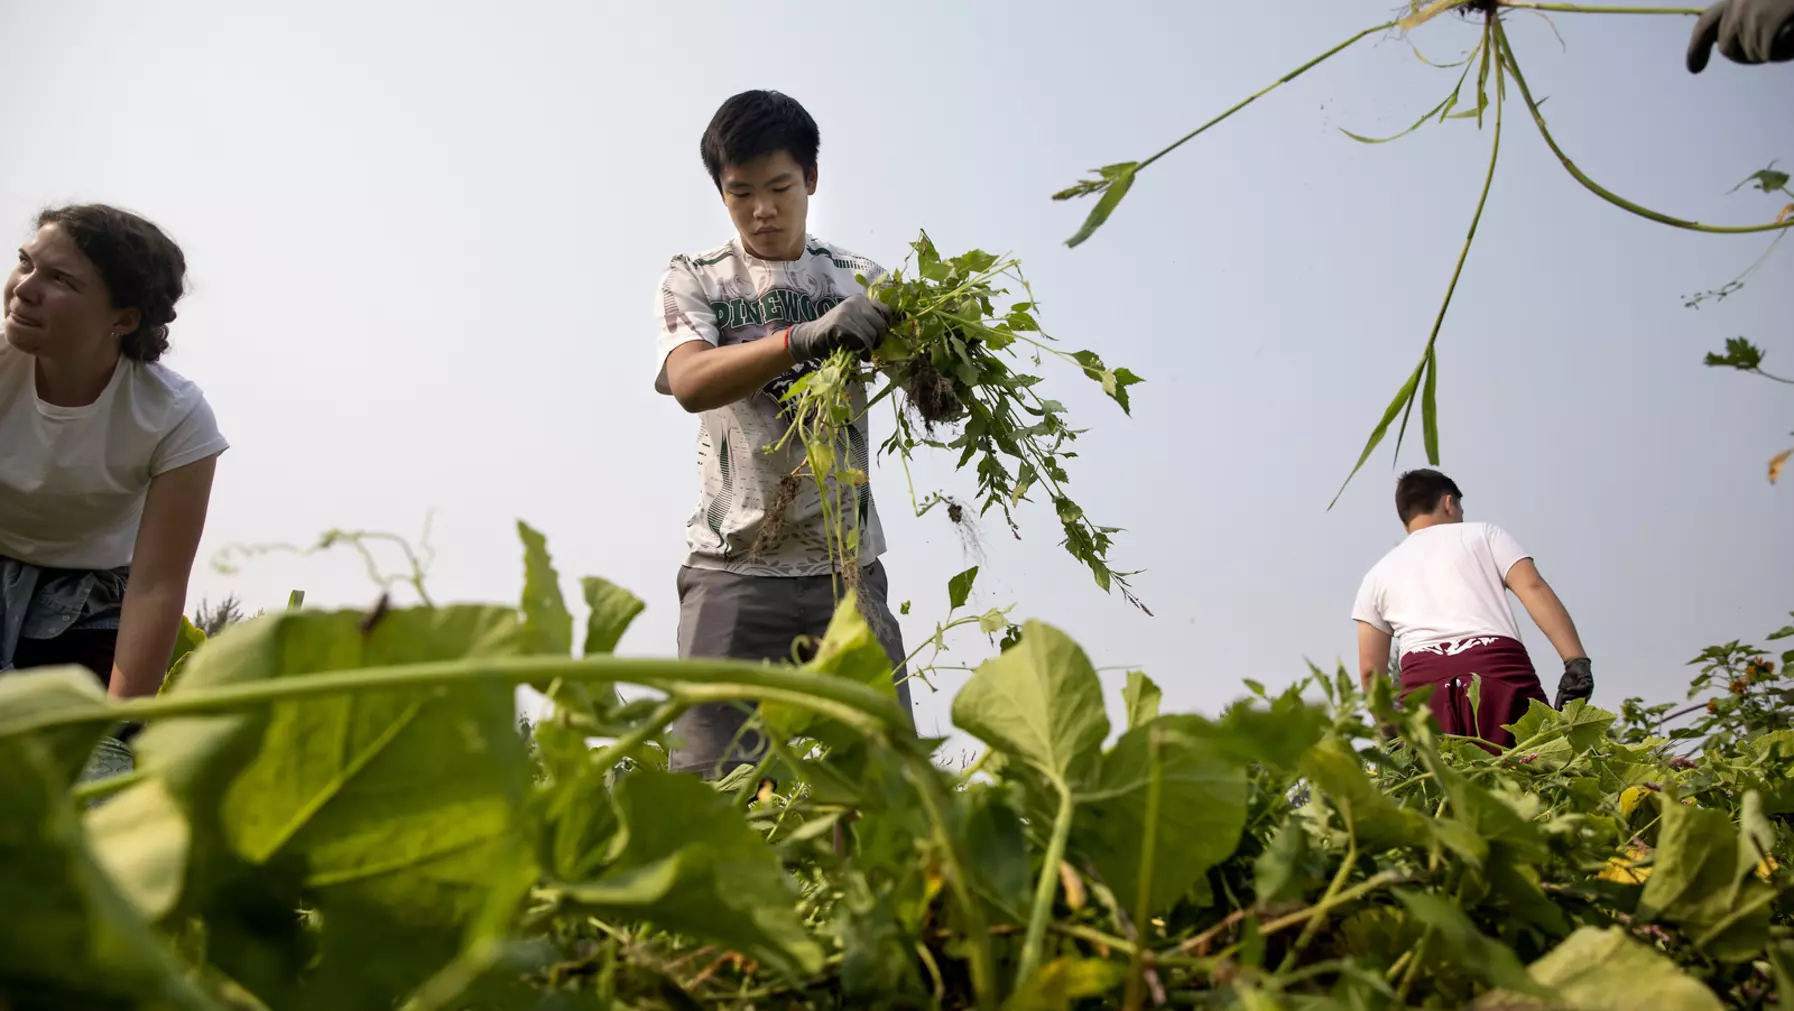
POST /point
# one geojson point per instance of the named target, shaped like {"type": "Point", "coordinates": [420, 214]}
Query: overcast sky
{"type": "Point", "coordinates": [424, 240]}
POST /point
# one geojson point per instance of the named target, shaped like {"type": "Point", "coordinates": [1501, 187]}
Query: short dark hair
{"type": "Point", "coordinates": [755, 124]}
{"type": "Point", "coordinates": [1419, 491]}
{"type": "Point", "coordinates": [142, 267]}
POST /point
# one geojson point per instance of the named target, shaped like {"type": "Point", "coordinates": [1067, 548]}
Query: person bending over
{"type": "Point", "coordinates": [1442, 593]}
{"type": "Point", "coordinates": [108, 455]}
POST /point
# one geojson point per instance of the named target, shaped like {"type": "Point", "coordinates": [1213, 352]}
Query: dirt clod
{"type": "Point", "coordinates": [931, 395]}
{"type": "Point", "coordinates": [772, 524]}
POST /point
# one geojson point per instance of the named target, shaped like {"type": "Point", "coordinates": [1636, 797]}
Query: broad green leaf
{"type": "Point", "coordinates": [1493, 817]}
{"type": "Point", "coordinates": [1583, 725]}
{"type": "Point", "coordinates": [394, 814]}
{"type": "Point", "coordinates": [69, 939]}
{"type": "Point", "coordinates": [1281, 872]}
{"type": "Point", "coordinates": [1141, 699]}
{"type": "Point", "coordinates": [997, 843]}
{"type": "Point", "coordinates": [1115, 384]}
{"type": "Point", "coordinates": [959, 588]}
{"type": "Point", "coordinates": [850, 650]}
{"type": "Point", "coordinates": [186, 640]}
{"type": "Point", "coordinates": [1697, 884]}
{"type": "Point", "coordinates": [1338, 774]}
{"type": "Point", "coordinates": [1059, 984]}
{"type": "Point", "coordinates": [1468, 948]}
{"type": "Point", "coordinates": [976, 261]}
{"type": "Point", "coordinates": [142, 839]}
{"type": "Point", "coordinates": [613, 609]}
{"type": "Point", "coordinates": [1756, 840]}
{"type": "Point", "coordinates": [1604, 970]}
{"type": "Point", "coordinates": [1119, 179]}
{"type": "Point", "coordinates": [1403, 398]}
{"type": "Point", "coordinates": [1516, 886]}
{"type": "Point", "coordinates": [29, 698]}
{"type": "Point", "coordinates": [686, 860]}
{"type": "Point", "coordinates": [1202, 808]}
{"type": "Point", "coordinates": [1740, 354]}
{"type": "Point", "coordinates": [1278, 735]}
{"type": "Point", "coordinates": [547, 624]}
{"type": "Point", "coordinates": [1781, 965]}
{"type": "Point", "coordinates": [1041, 702]}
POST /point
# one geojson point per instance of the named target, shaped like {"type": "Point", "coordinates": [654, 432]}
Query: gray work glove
{"type": "Point", "coordinates": [857, 324]}
{"type": "Point", "coordinates": [1578, 682]}
{"type": "Point", "coordinates": [1747, 31]}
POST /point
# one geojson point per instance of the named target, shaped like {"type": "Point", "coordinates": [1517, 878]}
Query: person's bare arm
{"type": "Point", "coordinates": [1547, 611]}
{"type": "Point", "coordinates": [703, 377]}
{"type": "Point", "coordinates": [174, 515]}
{"type": "Point", "coordinates": [1373, 653]}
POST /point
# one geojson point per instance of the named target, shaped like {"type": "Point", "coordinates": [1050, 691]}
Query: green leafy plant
{"type": "Point", "coordinates": [333, 811]}
{"type": "Point", "coordinates": [1496, 63]}
{"type": "Point", "coordinates": [951, 369]}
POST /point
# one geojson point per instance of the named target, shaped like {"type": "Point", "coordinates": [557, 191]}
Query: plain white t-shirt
{"type": "Point", "coordinates": [73, 479]}
{"type": "Point", "coordinates": [1443, 584]}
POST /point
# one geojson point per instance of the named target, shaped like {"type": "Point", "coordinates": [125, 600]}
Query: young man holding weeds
{"type": "Point", "coordinates": [738, 325]}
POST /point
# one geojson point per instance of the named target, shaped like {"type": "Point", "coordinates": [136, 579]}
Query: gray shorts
{"type": "Point", "coordinates": [723, 614]}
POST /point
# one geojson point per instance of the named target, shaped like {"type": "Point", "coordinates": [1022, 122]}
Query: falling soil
{"type": "Point", "coordinates": [772, 525]}
{"type": "Point", "coordinates": [971, 541]}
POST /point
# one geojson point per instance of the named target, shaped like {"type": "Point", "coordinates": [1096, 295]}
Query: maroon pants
{"type": "Point", "coordinates": [1508, 685]}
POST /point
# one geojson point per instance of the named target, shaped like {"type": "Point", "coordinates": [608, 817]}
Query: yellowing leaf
{"type": "Point", "coordinates": [1777, 462]}
{"type": "Point", "coordinates": [1425, 14]}
{"type": "Point", "coordinates": [1073, 883]}
{"type": "Point", "coordinates": [1627, 870]}
{"type": "Point", "coordinates": [1631, 797]}
{"type": "Point", "coordinates": [1604, 970]}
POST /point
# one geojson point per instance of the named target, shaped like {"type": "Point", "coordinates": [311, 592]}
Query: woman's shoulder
{"type": "Point", "coordinates": [166, 400]}
{"type": "Point", "coordinates": [157, 382]}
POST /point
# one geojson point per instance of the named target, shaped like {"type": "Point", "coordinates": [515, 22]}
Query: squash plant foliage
{"type": "Point", "coordinates": [336, 810]}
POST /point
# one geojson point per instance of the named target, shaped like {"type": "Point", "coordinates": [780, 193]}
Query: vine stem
{"type": "Point", "coordinates": [1320, 909]}
{"type": "Point", "coordinates": [1513, 66]}
{"type": "Point", "coordinates": [1255, 96]}
{"type": "Point", "coordinates": [934, 804]}
{"type": "Point", "coordinates": [1042, 913]}
{"type": "Point", "coordinates": [1558, 8]}
{"type": "Point", "coordinates": [1428, 361]}
{"type": "Point", "coordinates": [619, 749]}
{"type": "Point", "coordinates": [1136, 977]}
{"type": "Point", "coordinates": [689, 681]}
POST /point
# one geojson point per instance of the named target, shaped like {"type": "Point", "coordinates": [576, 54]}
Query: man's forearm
{"type": "Point", "coordinates": [1552, 617]}
{"type": "Point", "coordinates": [146, 632]}
{"type": "Point", "coordinates": [703, 378]}
{"type": "Point", "coordinates": [1373, 654]}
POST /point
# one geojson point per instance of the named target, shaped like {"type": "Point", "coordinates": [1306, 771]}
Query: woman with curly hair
{"type": "Point", "coordinates": [106, 456]}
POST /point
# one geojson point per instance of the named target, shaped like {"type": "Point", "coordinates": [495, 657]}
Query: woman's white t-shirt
{"type": "Point", "coordinates": [1443, 584]}
{"type": "Point", "coordinates": [73, 479]}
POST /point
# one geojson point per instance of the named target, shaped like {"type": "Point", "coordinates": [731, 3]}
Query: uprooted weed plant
{"type": "Point", "coordinates": [336, 810]}
{"type": "Point", "coordinates": [951, 369]}
{"type": "Point", "coordinates": [1496, 62]}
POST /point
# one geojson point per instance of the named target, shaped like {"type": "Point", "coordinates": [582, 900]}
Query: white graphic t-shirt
{"type": "Point", "coordinates": [725, 296]}
{"type": "Point", "coordinates": [73, 479]}
{"type": "Point", "coordinates": [1442, 587]}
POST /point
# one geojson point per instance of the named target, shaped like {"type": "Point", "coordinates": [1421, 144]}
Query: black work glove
{"type": "Point", "coordinates": [1578, 682]}
{"type": "Point", "coordinates": [1747, 31]}
{"type": "Point", "coordinates": [858, 324]}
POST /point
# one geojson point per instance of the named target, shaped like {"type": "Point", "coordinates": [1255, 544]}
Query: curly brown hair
{"type": "Point", "coordinates": [142, 267]}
